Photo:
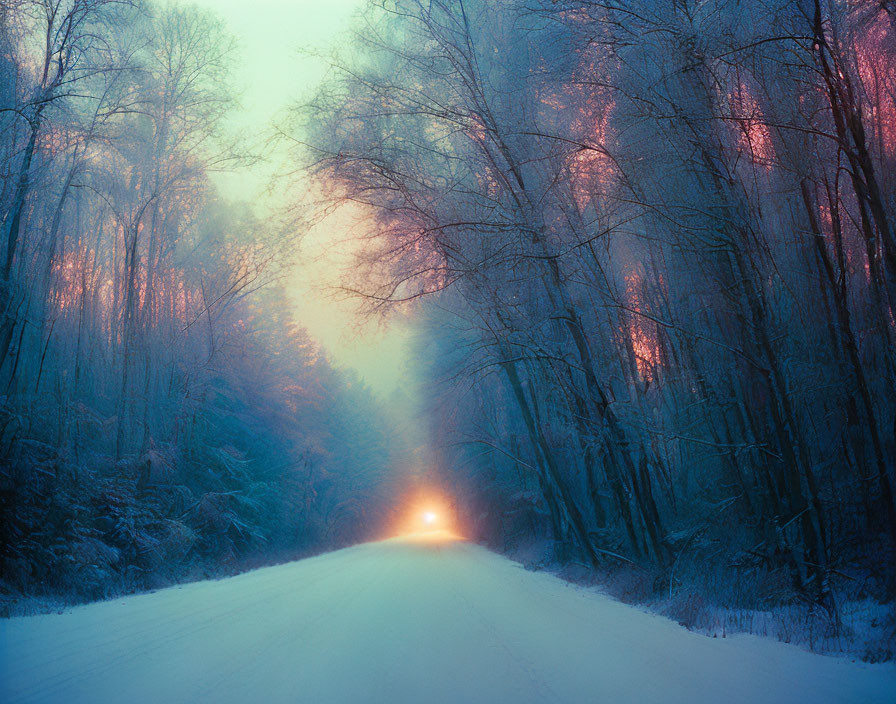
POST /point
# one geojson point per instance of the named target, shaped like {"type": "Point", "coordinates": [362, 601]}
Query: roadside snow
{"type": "Point", "coordinates": [405, 620]}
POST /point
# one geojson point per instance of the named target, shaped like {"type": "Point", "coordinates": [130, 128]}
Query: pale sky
{"type": "Point", "coordinates": [273, 73]}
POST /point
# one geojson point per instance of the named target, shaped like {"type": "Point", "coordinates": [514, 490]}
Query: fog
{"type": "Point", "coordinates": [615, 281]}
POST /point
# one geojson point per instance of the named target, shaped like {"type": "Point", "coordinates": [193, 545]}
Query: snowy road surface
{"type": "Point", "coordinates": [419, 621]}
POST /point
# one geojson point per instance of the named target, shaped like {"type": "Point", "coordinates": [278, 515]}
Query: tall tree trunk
{"type": "Point", "coordinates": [852, 352]}
{"type": "Point", "coordinates": [541, 446]}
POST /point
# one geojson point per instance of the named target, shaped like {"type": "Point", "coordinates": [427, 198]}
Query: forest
{"type": "Point", "coordinates": [162, 416]}
{"type": "Point", "coordinates": [647, 248]}
{"type": "Point", "coordinates": [654, 244]}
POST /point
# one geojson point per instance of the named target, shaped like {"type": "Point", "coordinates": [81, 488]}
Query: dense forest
{"type": "Point", "coordinates": [162, 416]}
{"type": "Point", "coordinates": [648, 249]}
{"type": "Point", "coordinates": [653, 245]}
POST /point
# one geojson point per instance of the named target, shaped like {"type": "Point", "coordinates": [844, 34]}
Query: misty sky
{"type": "Point", "coordinates": [275, 70]}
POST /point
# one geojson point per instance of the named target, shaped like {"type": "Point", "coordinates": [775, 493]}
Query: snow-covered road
{"type": "Point", "coordinates": [405, 620]}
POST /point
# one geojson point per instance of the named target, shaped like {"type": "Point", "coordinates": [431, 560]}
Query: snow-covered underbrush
{"type": "Point", "coordinates": [863, 629]}
{"type": "Point", "coordinates": [709, 599]}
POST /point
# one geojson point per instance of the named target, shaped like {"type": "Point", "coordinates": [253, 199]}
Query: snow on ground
{"type": "Point", "coordinates": [421, 620]}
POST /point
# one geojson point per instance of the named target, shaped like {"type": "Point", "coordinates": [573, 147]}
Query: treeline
{"type": "Point", "coordinates": [161, 415]}
{"type": "Point", "coordinates": [662, 234]}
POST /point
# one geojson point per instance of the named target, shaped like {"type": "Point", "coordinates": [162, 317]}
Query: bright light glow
{"type": "Point", "coordinates": [424, 513]}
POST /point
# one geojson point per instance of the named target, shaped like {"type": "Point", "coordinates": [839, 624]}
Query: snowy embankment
{"type": "Point", "coordinates": [405, 620]}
